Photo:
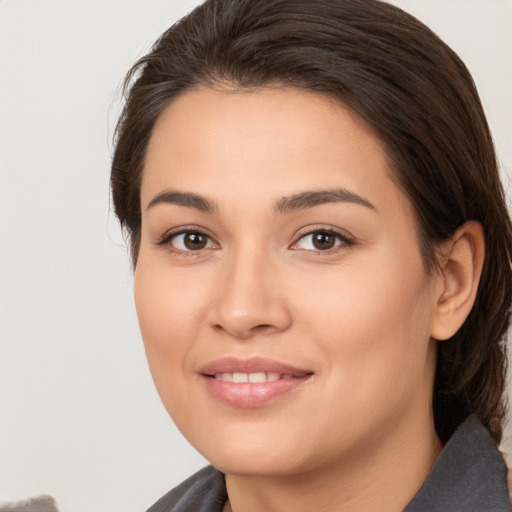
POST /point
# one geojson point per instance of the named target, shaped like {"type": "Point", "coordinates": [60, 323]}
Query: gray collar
{"type": "Point", "coordinates": [469, 475]}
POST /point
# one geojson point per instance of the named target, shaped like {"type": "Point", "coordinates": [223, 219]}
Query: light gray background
{"type": "Point", "coordinates": [79, 416]}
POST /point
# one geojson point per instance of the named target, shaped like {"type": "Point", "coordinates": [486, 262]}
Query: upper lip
{"type": "Point", "coordinates": [252, 365]}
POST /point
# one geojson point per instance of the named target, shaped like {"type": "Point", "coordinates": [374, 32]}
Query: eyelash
{"type": "Point", "coordinates": [341, 241]}
{"type": "Point", "coordinates": [167, 238]}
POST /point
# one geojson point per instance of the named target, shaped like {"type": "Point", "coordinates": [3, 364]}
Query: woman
{"type": "Point", "coordinates": [322, 258]}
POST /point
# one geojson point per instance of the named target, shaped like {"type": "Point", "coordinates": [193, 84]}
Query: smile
{"type": "Point", "coordinates": [251, 383]}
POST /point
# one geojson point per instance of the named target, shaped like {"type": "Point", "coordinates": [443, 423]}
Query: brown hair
{"type": "Point", "coordinates": [400, 77]}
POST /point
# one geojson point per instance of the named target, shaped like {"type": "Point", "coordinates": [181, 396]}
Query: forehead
{"type": "Point", "coordinates": [280, 141]}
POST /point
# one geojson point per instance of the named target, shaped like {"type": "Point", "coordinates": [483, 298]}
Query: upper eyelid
{"type": "Point", "coordinates": [326, 228]}
{"type": "Point", "coordinates": [346, 238]}
{"type": "Point", "coordinates": [169, 234]}
{"type": "Point", "coordinates": [166, 242]}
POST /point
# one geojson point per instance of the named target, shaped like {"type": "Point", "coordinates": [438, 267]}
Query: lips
{"type": "Point", "coordinates": [253, 382]}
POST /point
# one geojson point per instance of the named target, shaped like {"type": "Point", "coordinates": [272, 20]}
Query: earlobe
{"type": "Point", "coordinates": [461, 267]}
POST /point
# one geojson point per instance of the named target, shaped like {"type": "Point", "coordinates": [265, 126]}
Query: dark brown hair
{"type": "Point", "coordinates": [417, 94]}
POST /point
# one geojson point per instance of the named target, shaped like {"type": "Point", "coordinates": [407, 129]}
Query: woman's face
{"type": "Point", "coordinates": [282, 298]}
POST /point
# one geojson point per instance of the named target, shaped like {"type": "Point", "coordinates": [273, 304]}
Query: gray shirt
{"type": "Point", "coordinates": [469, 476]}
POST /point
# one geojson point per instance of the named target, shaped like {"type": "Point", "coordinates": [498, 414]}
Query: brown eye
{"type": "Point", "coordinates": [195, 241]}
{"type": "Point", "coordinates": [322, 240]}
{"type": "Point", "coordinates": [190, 241]}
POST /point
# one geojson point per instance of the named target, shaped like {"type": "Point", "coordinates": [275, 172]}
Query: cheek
{"type": "Point", "coordinates": [168, 300]}
{"type": "Point", "coordinates": [167, 314]}
{"type": "Point", "coordinates": [167, 311]}
{"type": "Point", "coordinates": [372, 328]}
{"type": "Point", "coordinates": [372, 320]}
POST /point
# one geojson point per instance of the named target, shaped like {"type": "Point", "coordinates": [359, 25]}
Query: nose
{"type": "Point", "coordinates": [251, 299]}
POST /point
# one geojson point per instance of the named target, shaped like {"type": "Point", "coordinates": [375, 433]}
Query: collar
{"type": "Point", "coordinates": [469, 475]}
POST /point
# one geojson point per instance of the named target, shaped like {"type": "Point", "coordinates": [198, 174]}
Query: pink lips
{"type": "Point", "coordinates": [252, 382]}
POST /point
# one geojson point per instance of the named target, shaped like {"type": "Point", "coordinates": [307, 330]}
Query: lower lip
{"type": "Point", "coordinates": [251, 394]}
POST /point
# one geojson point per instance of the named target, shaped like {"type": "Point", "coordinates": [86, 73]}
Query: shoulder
{"type": "Point", "coordinates": [469, 476]}
{"type": "Point", "coordinates": [205, 491]}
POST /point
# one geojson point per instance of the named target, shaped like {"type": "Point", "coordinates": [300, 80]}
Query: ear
{"type": "Point", "coordinates": [461, 262]}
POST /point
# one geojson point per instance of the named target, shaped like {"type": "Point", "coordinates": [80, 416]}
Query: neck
{"type": "Point", "coordinates": [384, 476]}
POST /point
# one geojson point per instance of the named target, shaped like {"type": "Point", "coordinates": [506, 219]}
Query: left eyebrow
{"type": "Point", "coordinates": [304, 200]}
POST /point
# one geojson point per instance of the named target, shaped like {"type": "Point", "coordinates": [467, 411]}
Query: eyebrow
{"type": "Point", "coordinates": [186, 199]}
{"type": "Point", "coordinates": [287, 204]}
{"type": "Point", "coordinates": [309, 199]}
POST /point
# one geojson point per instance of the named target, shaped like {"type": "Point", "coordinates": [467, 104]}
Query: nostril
{"type": "Point", "coordinates": [262, 327]}
{"type": "Point", "coordinates": [245, 333]}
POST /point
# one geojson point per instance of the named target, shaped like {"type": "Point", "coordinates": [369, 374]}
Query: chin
{"type": "Point", "coordinates": [262, 465]}
{"type": "Point", "coordinates": [255, 454]}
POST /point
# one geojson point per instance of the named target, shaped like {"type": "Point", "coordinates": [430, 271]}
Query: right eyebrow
{"type": "Point", "coordinates": [186, 199]}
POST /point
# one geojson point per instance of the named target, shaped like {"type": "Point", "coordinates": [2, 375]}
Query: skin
{"type": "Point", "coordinates": [358, 435]}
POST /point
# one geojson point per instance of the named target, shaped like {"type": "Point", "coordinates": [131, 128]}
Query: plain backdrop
{"type": "Point", "coordinates": [79, 418]}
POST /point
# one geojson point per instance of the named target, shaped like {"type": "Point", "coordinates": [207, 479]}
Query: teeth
{"type": "Point", "coordinates": [257, 377]}
{"type": "Point", "coordinates": [252, 377]}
